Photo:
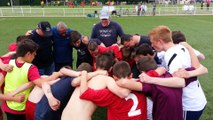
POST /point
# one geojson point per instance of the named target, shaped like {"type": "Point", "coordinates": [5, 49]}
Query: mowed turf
{"type": "Point", "coordinates": [198, 31]}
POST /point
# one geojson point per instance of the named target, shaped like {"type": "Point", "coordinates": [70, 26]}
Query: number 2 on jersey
{"type": "Point", "coordinates": [133, 111]}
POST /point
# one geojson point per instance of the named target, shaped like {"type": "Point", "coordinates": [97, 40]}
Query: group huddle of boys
{"type": "Point", "coordinates": [74, 95]}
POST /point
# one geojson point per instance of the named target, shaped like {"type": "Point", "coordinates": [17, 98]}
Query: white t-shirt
{"type": "Point", "coordinates": [193, 97]}
{"type": "Point", "coordinates": [149, 108]}
{"type": "Point", "coordinates": [160, 56]}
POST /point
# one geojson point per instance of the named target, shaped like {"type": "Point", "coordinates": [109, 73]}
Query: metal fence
{"type": "Point", "coordinates": [90, 12]}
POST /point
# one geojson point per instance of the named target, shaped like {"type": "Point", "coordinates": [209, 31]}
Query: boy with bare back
{"type": "Point", "coordinates": [86, 108]}
{"type": "Point", "coordinates": [132, 107]}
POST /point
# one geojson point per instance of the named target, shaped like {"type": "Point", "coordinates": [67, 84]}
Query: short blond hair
{"type": "Point", "coordinates": [161, 32]}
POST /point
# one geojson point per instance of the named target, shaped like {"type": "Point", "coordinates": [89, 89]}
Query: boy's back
{"type": "Point", "coordinates": [133, 106]}
{"type": "Point", "coordinates": [78, 109]}
{"type": "Point", "coordinates": [81, 109]}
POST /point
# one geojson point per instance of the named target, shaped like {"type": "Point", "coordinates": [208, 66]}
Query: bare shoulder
{"type": "Point", "coordinates": [102, 77]}
{"type": "Point", "coordinates": [99, 82]}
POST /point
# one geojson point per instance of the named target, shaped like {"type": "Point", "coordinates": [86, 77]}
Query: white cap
{"type": "Point", "coordinates": [104, 15]}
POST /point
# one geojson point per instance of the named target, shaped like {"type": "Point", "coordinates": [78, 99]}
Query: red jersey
{"type": "Point", "coordinates": [12, 47]}
{"type": "Point", "coordinates": [152, 73]}
{"type": "Point", "coordinates": [5, 59]}
{"type": "Point", "coordinates": [133, 107]}
{"type": "Point", "coordinates": [113, 48]}
{"type": "Point", "coordinates": [33, 74]}
{"type": "Point", "coordinates": [102, 49]}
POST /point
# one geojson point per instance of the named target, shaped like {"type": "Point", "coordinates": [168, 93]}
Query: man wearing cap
{"type": "Point", "coordinates": [42, 35]}
{"type": "Point", "coordinates": [106, 31]}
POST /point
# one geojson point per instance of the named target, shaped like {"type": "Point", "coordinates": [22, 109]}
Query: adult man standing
{"type": "Point", "coordinates": [106, 31]}
{"type": "Point", "coordinates": [62, 50]}
{"type": "Point", "coordinates": [42, 35]}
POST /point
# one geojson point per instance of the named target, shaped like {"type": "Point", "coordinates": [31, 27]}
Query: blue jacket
{"type": "Point", "coordinates": [62, 50]}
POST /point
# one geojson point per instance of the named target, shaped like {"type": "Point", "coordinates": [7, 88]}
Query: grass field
{"type": "Point", "coordinates": [198, 31]}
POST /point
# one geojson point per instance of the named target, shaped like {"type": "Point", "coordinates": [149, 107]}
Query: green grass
{"type": "Point", "coordinates": [198, 31]}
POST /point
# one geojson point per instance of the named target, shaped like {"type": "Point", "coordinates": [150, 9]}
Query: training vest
{"type": "Point", "coordinates": [13, 80]}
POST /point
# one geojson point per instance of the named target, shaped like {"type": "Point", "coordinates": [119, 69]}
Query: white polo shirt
{"type": "Point", "coordinates": [193, 97]}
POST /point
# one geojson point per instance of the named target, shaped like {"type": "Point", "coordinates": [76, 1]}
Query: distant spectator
{"type": "Point", "coordinates": [114, 13]}
{"type": "Point", "coordinates": [143, 9]}
{"type": "Point", "coordinates": [82, 4]}
{"type": "Point", "coordinates": [154, 9]}
{"type": "Point", "coordinates": [76, 3]}
{"type": "Point", "coordinates": [208, 4]}
{"type": "Point", "coordinates": [42, 3]}
{"type": "Point", "coordinates": [201, 4]}
{"type": "Point", "coordinates": [139, 9]}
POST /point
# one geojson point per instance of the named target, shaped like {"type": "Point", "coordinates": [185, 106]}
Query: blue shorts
{"type": "Point", "coordinates": [192, 115]}
{"type": "Point", "coordinates": [61, 90]}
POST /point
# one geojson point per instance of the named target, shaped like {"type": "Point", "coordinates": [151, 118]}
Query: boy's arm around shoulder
{"type": "Point", "coordinates": [22, 88]}
{"type": "Point", "coordinates": [160, 70]}
{"type": "Point", "coordinates": [40, 80]}
{"type": "Point", "coordinates": [5, 67]}
{"type": "Point", "coordinates": [84, 84]}
{"type": "Point", "coordinates": [69, 72]}
{"type": "Point", "coordinates": [114, 88]}
{"type": "Point", "coordinates": [77, 80]}
{"type": "Point", "coordinates": [130, 84]}
{"type": "Point", "coordinates": [201, 70]}
{"type": "Point", "coordinates": [8, 97]}
{"type": "Point", "coordinates": [175, 82]}
{"type": "Point", "coordinates": [53, 102]}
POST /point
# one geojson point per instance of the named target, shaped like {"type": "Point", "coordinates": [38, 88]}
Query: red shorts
{"type": "Point", "coordinates": [30, 109]}
{"type": "Point", "coordinates": [1, 114]}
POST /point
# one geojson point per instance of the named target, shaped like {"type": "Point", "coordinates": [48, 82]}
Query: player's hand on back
{"type": "Point", "coordinates": [7, 67]}
{"type": "Point", "coordinates": [54, 104]}
{"type": "Point", "coordinates": [19, 98]}
{"type": "Point", "coordinates": [145, 78]}
{"type": "Point", "coordinates": [122, 82]}
{"type": "Point", "coordinates": [181, 73]}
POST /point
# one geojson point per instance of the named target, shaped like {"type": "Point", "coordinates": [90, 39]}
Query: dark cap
{"type": "Point", "coordinates": [46, 28]}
